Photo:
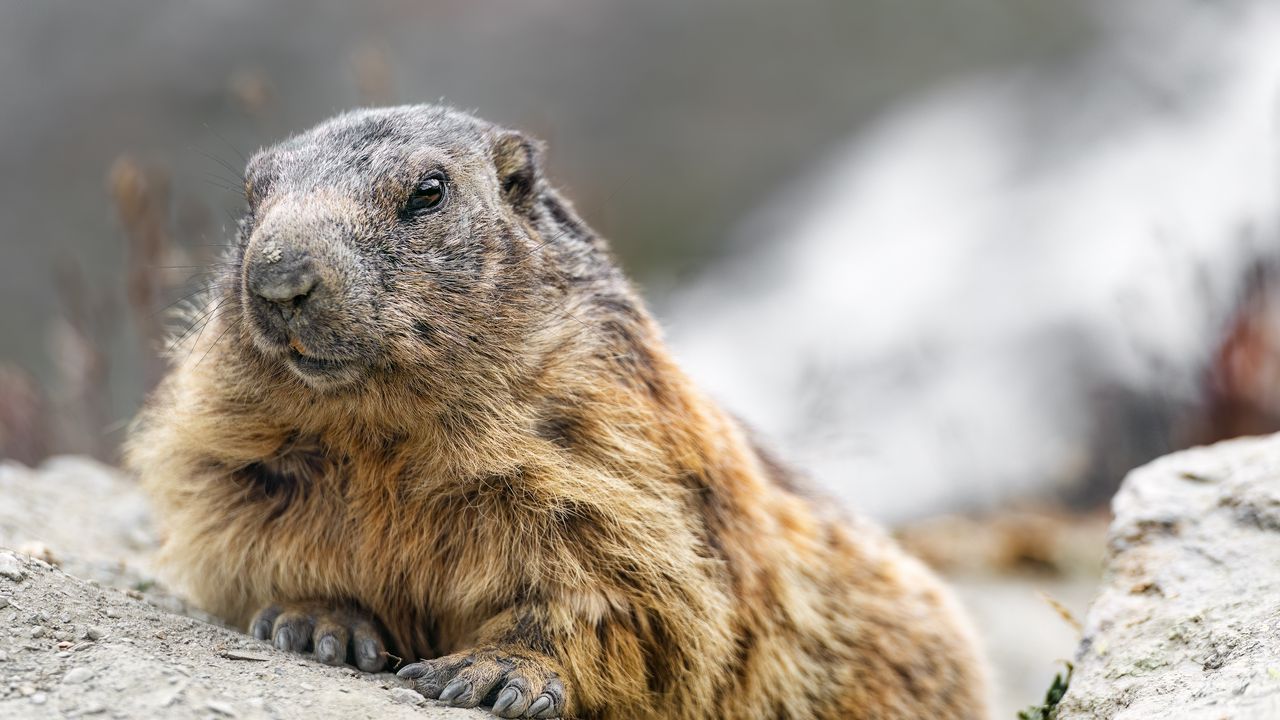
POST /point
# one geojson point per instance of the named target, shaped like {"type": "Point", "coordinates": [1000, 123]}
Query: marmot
{"type": "Point", "coordinates": [423, 415]}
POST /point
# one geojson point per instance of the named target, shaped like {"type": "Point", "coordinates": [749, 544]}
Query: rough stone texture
{"type": "Point", "coordinates": [149, 663]}
{"type": "Point", "coordinates": [1188, 621]}
{"type": "Point", "coordinates": [86, 516]}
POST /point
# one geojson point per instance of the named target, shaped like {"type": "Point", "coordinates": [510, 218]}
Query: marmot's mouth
{"type": "Point", "coordinates": [312, 365]}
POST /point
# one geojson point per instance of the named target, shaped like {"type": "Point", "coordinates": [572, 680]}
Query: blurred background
{"type": "Point", "coordinates": [966, 262]}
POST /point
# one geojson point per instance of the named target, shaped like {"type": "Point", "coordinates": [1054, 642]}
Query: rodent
{"type": "Point", "coordinates": [427, 418]}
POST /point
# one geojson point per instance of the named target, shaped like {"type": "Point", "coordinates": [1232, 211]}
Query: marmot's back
{"type": "Point", "coordinates": [421, 414]}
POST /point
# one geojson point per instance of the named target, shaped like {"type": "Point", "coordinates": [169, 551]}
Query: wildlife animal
{"type": "Point", "coordinates": [422, 420]}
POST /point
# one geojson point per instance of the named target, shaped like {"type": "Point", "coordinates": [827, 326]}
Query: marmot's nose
{"type": "Point", "coordinates": [284, 281]}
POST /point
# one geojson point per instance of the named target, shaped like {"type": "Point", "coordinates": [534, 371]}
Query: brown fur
{"type": "Point", "coordinates": [517, 470]}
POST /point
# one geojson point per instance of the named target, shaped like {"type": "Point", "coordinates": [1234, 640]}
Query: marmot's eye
{"type": "Point", "coordinates": [427, 196]}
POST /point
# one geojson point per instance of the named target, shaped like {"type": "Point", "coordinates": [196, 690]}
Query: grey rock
{"type": "Point", "coordinates": [126, 673]}
{"type": "Point", "coordinates": [11, 567]}
{"type": "Point", "coordinates": [76, 676]}
{"type": "Point", "coordinates": [1185, 624]}
{"type": "Point", "coordinates": [222, 708]}
{"type": "Point", "coordinates": [407, 696]}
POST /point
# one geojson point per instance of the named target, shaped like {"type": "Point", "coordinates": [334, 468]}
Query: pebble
{"type": "Point", "coordinates": [407, 696]}
{"type": "Point", "coordinates": [93, 632]}
{"type": "Point", "coordinates": [221, 708]}
{"type": "Point", "coordinates": [39, 698]}
{"type": "Point", "coordinates": [4, 602]}
{"type": "Point", "coordinates": [37, 631]}
{"type": "Point", "coordinates": [11, 568]}
{"type": "Point", "coordinates": [113, 613]}
{"type": "Point", "coordinates": [75, 676]}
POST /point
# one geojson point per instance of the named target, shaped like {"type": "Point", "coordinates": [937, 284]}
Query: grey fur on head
{"type": "Point", "coordinates": [345, 267]}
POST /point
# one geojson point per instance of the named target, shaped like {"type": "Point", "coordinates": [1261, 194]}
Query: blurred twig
{"type": "Point", "coordinates": [23, 422]}
{"type": "Point", "coordinates": [142, 203]}
{"type": "Point", "coordinates": [1243, 381]}
{"type": "Point", "coordinates": [77, 347]}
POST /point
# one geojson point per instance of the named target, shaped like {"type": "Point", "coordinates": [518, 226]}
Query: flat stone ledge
{"type": "Point", "coordinates": [71, 648]}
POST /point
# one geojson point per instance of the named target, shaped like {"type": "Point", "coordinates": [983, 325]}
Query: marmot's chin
{"type": "Point", "coordinates": [326, 383]}
{"type": "Point", "coordinates": [324, 374]}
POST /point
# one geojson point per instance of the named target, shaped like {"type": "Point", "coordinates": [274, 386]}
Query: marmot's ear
{"type": "Point", "coordinates": [518, 160]}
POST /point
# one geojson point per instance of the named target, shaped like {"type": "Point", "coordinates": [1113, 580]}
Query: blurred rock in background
{"type": "Point", "coordinates": [1024, 284]}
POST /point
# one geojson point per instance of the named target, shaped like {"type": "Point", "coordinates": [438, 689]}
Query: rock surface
{"type": "Point", "coordinates": [70, 648]}
{"type": "Point", "coordinates": [1188, 622]}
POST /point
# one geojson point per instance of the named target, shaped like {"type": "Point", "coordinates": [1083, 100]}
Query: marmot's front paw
{"type": "Point", "coordinates": [514, 684]}
{"type": "Point", "coordinates": [335, 635]}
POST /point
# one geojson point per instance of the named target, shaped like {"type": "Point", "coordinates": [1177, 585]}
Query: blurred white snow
{"type": "Point", "coordinates": [942, 317]}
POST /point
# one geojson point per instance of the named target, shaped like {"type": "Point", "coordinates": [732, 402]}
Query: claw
{"type": "Point", "coordinates": [262, 630]}
{"type": "Point", "coordinates": [539, 706]}
{"type": "Point", "coordinates": [506, 699]}
{"type": "Point", "coordinates": [368, 657]}
{"type": "Point", "coordinates": [327, 651]}
{"type": "Point", "coordinates": [412, 671]}
{"type": "Point", "coordinates": [284, 639]}
{"type": "Point", "coordinates": [454, 690]}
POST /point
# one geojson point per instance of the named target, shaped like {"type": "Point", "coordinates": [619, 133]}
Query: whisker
{"type": "Point", "coordinates": [188, 296]}
{"type": "Point", "coordinates": [202, 327]}
{"type": "Point", "coordinates": [196, 342]}
{"type": "Point", "coordinates": [221, 185]}
{"type": "Point", "coordinates": [226, 142]}
{"type": "Point", "coordinates": [202, 318]}
{"type": "Point", "coordinates": [218, 340]}
{"type": "Point", "coordinates": [220, 161]}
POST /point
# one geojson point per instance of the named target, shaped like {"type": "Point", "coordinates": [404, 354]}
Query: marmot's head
{"type": "Point", "coordinates": [409, 237]}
